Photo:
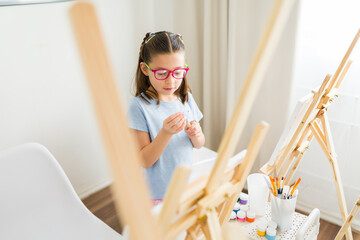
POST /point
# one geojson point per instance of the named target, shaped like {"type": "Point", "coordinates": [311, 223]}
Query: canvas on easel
{"type": "Point", "coordinates": [203, 206]}
{"type": "Point", "coordinates": [310, 120]}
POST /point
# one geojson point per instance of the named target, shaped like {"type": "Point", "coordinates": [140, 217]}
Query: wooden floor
{"type": "Point", "coordinates": [102, 205]}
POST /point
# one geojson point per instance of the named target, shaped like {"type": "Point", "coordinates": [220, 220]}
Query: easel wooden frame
{"type": "Point", "coordinates": [315, 123]}
{"type": "Point", "coordinates": [205, 204]}
{"type": "Point", "coordinates": [348, 221]}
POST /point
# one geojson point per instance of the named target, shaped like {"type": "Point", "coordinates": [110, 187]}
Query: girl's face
{"type": "Point", "coordinates": [165, 88]}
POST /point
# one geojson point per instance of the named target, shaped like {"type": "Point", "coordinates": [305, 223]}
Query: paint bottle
{"type": "Point", "coordinates": [241, 216]}
{"type": "Point", "coordinates": [236, 207]}
{"type": "Point", "coordinates": [272, 224]}
{"type": "Point", "coordinates": [244, 208]}
{"type": "Point", "coordinates": [243, 198]}
{"type": "Point", "coordinates": [233, 215]}
{"type": "Point", "coordinates": [261, 228]}
{"type": "Point", "coordinates": [250, 216]}
{"type": "Point", "coordinates": [270, 233]}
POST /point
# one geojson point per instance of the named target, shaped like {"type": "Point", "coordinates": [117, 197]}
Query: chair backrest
{"type": "Point", "coordinates": [38, 201]}
{"type": "Point", "coordinates": [310, 228]}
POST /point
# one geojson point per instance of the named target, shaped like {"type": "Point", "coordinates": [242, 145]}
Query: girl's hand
{"type": "Point", "coordinates": [194, 130]}
{"type": "Point", "coordinates": [174, 123]}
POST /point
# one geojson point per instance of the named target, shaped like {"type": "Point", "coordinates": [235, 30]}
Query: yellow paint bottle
{"type": "Point", "coordinates": [261, 228]}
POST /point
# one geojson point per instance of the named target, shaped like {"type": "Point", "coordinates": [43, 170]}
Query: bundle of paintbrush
{"type": "Point", "coordinates": [278, 189]}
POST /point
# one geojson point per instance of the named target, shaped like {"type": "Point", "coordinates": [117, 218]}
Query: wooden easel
{"type": "Point", "coordinates": [204, 205]}
{"type": "Point", "coordinates": [348, 221]}
{"type": "Point", "coordinates": [311, 122]}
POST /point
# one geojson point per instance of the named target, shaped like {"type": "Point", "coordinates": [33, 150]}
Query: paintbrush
{"type": "Point", "coordinates": [188, 125]}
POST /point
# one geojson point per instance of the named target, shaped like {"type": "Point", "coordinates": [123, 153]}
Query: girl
{"type": "Point", "coordinates": [163, 115]}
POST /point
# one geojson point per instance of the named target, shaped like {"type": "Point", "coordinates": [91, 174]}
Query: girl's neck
{"type": "Point", "coordinates": [168, 98]}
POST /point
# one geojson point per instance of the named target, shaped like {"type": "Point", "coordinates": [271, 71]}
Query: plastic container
{"type": "Point", "coordinates": [243, 197]}
{"type": "Point", "coordinates": [241, 216]}
{"type": "Point", "coordinates": [250, 216]}
{"type": "Point", "coordinates": [232, 215]}
{"type": "Point", "coordinates": [282, 211]}
{"type": "Point", "coordinates": [272, 224]}
{"type": "Point", "coordinates": [236, 207]}
{"type": "Point", "coordinates": [261, 228]}
{"type": "Point", "coordinates": [244, 208]}
{"type": "Point", "coordinates": [270, 233]}
{"type": "Point", "coordinates": [258, 193]}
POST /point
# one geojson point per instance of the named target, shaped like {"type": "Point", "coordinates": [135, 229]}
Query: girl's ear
{"type": "Point", "coordinates": [144, 69]}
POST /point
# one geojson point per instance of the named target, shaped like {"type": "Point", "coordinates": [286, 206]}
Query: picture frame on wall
{"type": "Point", "coordinates": [24, 2]}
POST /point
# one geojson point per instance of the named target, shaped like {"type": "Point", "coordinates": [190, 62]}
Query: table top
{"type": "Point", "coordinates": [251, 231]}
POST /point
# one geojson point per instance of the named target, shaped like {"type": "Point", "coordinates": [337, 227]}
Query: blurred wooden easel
{"type": "Point", "coordinates": [311, 120]}
{"type": "Point", "coordinates": [348, 221]}
{"type": "Point", "coordinates": [203, 206]}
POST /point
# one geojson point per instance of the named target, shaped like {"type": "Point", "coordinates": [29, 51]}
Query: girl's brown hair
{"type": "Point", "coordinates": [153, 44]}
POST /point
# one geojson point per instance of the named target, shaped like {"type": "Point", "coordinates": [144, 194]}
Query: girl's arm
{"type": "Point", "coordinates": [151, 151]}
{"type": "Point", "coordinates": [195, 134]}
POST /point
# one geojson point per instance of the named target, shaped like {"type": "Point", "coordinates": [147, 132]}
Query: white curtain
{"type": "Point", "coordinates": [215, 52]}
{"type": "Point", "coordinates": [232, 30]}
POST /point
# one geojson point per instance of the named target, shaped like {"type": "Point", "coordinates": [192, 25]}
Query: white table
{"type": "Point", "coordinates": [298, 222]}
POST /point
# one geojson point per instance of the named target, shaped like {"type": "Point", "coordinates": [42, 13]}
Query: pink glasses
{"type": "Point", "coordinates": [162, 74]}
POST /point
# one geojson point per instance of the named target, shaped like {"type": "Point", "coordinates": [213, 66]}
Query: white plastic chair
{"type": "Point", "coordinates": [37, 200]}
{"type": "Point", "coordinates": [310, 229]}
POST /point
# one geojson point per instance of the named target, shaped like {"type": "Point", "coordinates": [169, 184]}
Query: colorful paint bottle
{"type": "Point", "coordinates": [241, 216]}
{"type": "Point", "coordinates": [272, 224]}
{"type": "Point", "coordinates": [270, 233]}
{"type": "Point", "coordinates": [243, 197]}
{"type": "Point", "coordinates": [236, 207]}
{"type": "Point", "coordinates": [250, 216]}
{"type": "Point", "coordinates": [233, 215]}
{"type": "Point", "coordinates": [244, 208]}
{"type": "Point", "coordinates": [261, 228]}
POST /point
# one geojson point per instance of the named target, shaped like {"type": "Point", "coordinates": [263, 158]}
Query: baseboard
{"type": "Point", "coordinates": [94, 188]}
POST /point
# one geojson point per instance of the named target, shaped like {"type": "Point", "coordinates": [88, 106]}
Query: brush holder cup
{"type": "Point", "coordinates": [283, 210]}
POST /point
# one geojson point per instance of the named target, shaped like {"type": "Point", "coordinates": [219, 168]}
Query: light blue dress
{"type": "Point", "coordinates": [149, 118]}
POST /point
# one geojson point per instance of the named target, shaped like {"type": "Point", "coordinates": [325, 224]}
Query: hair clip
{"type": "Point", "coordinates": [180, 37]}
{"type": "Point", "coordinates": [151, 35]}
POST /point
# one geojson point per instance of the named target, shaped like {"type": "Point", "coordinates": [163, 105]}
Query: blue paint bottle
{"type": "Point", "coordinates": [270, 233]}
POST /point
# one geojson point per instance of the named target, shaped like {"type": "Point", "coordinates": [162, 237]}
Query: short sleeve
{"type": "Point", "coordinates": [195, 109]}
{"type": "Point", "coordinates": [137, 118]}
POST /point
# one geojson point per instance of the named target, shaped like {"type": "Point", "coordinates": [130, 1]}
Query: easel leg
{"type": "Point", "coordinates": [220, 208]}
{"type": "Point", "coordinates": [205, 230]}
{"type": "Point", "coordinates": [346, 225]}
{"type": "Point", "coordinates": [226, 211]}
{"type": "Point", "coordinates": [340, 194]}
{"type": "Point", "coordinates": [302, 146]}
{"type": "Point", "coordinates": [286, 167]}
{"type": "Point", "coordinates": [193, 233]}
{"type": "Point", "coordinates": [211, 227]}
{"type": "Point", "coordinates": [291, 173]}
{"type": "Point", "coordinates": [325, 141]}
{"type": "Point", "coordinates": [334, 164]}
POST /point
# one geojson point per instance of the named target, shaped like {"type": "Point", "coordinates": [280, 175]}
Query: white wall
{"type": "Point", "coordinates": [43, 94]}
{"type": "Point", "coordinates": [325, 31]}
